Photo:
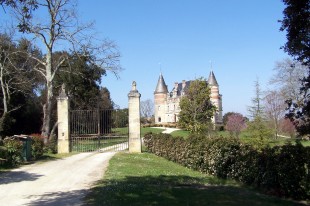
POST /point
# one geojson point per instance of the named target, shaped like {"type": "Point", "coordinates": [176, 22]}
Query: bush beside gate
{"type": "Point", "coordinates": [12, 150]}
{"type": "Point", "coordinates": [281, 170]}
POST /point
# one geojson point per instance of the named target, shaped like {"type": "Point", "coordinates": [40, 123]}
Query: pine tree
{"type": "Point", "coordinates": [257, 108]}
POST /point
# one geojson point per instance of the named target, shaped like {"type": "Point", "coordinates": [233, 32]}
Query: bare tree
{"type": "Point", "coordinates": [55, 25]}
{"type": "Point", "coordinates": [287, 127]}
{"type": "Point", "coordinates": [290, 74]}
{"type": "Point", "coordinates": [146, 111]}
{"type": "Point", "coordinates": [287, 77]}
{"type": "Point", "coordinates": [14, 70]}
{"type": "Point", "coordinates": [147, 108]}
{"type": "Point", "coordinates": [235, 123]}
{"type": "Point", "coordinates": [274, 109]}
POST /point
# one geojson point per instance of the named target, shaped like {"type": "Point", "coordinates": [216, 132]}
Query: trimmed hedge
{"type": "Point", "coordinates": [281, 170]}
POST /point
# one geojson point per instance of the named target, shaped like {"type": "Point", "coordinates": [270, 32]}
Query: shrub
{"type": "Point", "coordinates": [37, 146]}
{"type": "Point", "coordinates": [281, 170]}
{"type": "Point", "coordinates": [14, 151]}
{"type": "Point", "coordinates": [51, 145]}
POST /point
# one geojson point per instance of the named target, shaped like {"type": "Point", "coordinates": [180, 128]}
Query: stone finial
{"type": "Point", "coordinates": [134, 92]}
{"type": "Point", "coordinates": [62, 93]}
{"type": "Point", "coordinates": [134, 86]}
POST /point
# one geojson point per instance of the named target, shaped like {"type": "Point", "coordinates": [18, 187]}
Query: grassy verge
{"type": "Point", "coordinates": [45, 158]}
{"type": "Point", "coordinates": [145, 179]}
{"type": "Point", "coordinates": [48, 156]}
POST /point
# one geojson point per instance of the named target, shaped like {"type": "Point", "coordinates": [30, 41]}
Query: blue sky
{"type": "Point", "coordinates": [240, 37]}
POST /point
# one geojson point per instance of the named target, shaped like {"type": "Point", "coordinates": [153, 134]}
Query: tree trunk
{"type": "Point", "coordinates": [47, 108]}
{"type": "Point", "coordinates": [4, 98]}
{"type": "Point", "coordinates": [276, 127]}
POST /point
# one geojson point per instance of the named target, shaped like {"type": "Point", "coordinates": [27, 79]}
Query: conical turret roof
{"type": "Point", "coordinates": [212, 80]}
{"type": "Point", "coordinates": [161, 85]}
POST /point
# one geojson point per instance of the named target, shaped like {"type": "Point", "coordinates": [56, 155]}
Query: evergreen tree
{"type": "Point", "coordinates": [257, 127]}
{"type": "Point", "coordinates": [257, 108]}
{"type": "Point", "coordinates": [197, 109]}
{"type": "Point", "coordinates": [82, 80]}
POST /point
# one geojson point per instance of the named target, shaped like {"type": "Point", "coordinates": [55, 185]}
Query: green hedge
{"type": "Point", "coordinates": [281, 170]}
{"type": "Point", "coordinates": [37, 146]}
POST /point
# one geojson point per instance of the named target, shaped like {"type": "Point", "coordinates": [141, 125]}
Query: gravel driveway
{"type": "Point", "coordinates": [61, 182]}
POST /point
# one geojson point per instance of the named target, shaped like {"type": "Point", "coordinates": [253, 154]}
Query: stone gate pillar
{"type": "Point", "coordinates": [63, 122]}
{"type": "Point", "coordinates": [134, 120]}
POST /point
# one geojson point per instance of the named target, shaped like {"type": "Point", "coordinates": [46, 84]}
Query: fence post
{"type": "Point", "coordinates": [134, 120]}
{"type": "Point", "coordinates": [63, 122]}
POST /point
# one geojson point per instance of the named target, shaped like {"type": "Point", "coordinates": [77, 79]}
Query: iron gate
{"type": "Point", "coordinates": [98, 130]}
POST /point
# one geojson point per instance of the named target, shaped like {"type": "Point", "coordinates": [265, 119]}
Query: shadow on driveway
{"type": "Point", "coordinates": [74, 197]}
{"type": "Point", "coordinates": [17, 176]}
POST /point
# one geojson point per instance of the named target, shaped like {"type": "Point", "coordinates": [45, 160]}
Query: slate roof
{"type": "Point", "coordinates": [212, 80]}
{"type": "Point", "coordinates": [180, 90]}
{"type": "Point", "coordinates": [161, 85]}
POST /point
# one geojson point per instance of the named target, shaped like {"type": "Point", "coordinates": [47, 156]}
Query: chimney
{"type": "Point", "coordinates": [183, 84]}
{"type": "Point", "coordinates": [176, 85]}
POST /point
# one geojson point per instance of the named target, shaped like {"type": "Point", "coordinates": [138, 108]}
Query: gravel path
{"type": "Point", "coordinates": [167, 130]}
{"type": "Point", "coordinates": [60, 182]}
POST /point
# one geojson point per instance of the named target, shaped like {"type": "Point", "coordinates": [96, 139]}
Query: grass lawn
{"type": "Point", "coordinates": [180, 133]}
{"type": "Point", "coordinates": [145, 130]}
{"type": "Point", "coordinates": [145, 179]}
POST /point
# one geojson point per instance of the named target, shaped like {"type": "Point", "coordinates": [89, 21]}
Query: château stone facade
{"type": "Point", "coordinates": [167, 106]}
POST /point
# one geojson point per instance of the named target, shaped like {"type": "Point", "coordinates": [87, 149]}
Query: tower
{"type": "Point", "coordinates": [216, 99]}
{"type": "Point", "coordinates": [160, 97]}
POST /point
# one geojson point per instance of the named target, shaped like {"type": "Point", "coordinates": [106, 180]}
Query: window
{"type": "Point", "coordinates": [159, 119]}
